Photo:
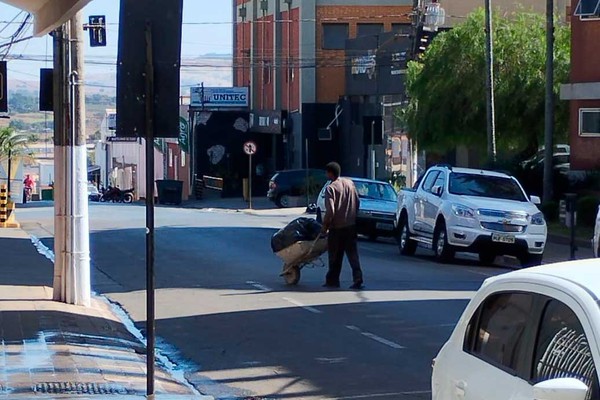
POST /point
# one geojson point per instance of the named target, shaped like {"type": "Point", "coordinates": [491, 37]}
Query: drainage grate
{"type": "Point", "coordinates": [78, 388]}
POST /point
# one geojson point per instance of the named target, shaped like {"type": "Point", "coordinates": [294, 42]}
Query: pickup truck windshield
{"type": "Point", "coordinates": [375, 191]}
{"type": "Point", "coordinates": [495, 187]}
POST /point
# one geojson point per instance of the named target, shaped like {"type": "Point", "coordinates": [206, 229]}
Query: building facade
{"type": "Point", "coordinates": [291, 53]}
{"type": "Point", "coordinates": [583, 91]}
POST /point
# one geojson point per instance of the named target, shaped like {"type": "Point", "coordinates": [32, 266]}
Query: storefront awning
{"type": "Point", "coordinates": [48, 14]}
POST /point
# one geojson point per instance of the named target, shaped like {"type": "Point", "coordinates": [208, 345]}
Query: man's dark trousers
{"type": "Point", "coordinates": [343, 241]}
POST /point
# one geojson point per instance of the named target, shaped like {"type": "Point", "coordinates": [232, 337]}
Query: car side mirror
{"type": "Point", "coordinates": [437, 190]}
{"type": "Point", "coordinates": [536, 200]}
{"type": "Point", "coordinates": [560, 389]}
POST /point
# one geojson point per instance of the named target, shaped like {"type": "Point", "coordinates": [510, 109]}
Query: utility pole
{"type": "Point", "coordinates": [549, 106]}
{"type": "Point", "coordinates": [489, 84]}
{"type": "Point", "coordinates": [72, 255]}
{"type": "Point", "coordinates": [149, 131]}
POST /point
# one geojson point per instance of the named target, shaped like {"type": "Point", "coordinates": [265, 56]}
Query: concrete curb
{"type": "Point", "coordinates": [565, 240]}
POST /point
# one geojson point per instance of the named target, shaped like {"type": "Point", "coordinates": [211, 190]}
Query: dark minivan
{"type": "Point", "coordinates": [288, 188]}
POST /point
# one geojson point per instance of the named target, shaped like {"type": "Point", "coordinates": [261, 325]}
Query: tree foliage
{"type": "Point", "coordinates": [447, 86]}
{"type": "Point", "coordinates": [12, 142]}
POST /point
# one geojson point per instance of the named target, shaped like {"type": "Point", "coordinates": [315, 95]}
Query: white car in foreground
{"type": "Point", "coordinates": [529, 334]}
{"type": "Point", "coordinates": [596, 239]}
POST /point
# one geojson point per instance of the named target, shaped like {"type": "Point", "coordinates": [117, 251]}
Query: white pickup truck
{"type": "Point", "coordinates": [453, 210]}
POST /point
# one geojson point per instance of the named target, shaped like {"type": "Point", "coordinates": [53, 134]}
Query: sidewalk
{"type": "Point", "coordinates": [51, 350]}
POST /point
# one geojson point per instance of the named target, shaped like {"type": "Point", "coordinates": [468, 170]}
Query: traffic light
{"type": "Point", "coordinates": [424, 38]}
{"type": "Point", "coordinates": [3, 88]}
{"type": "Point", "coordinates": [97, 29]}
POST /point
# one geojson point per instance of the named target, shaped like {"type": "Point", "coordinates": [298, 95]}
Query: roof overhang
{"type": "Point", "coordinates": [48, 14]}
{"type": "Point", "coordinates": [580, 91]}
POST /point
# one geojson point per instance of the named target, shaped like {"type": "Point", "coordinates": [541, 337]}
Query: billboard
{"type": "Point", "coordinates": [378, 64]}
{"type": "Point", "coordinates": [219, 97]}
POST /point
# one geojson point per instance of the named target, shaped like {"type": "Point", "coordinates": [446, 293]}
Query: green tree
{"type": "Point", "coordinates": [446, 87]}
{"type": "Point", "coordinates": [12, 143]}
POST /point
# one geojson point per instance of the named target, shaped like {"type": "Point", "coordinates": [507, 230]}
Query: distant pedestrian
{"type": "Point", "coordinates": [341, 206]}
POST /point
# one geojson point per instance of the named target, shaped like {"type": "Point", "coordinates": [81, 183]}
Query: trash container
{"type": "Point", "coordinates": [169, 191]}
{"type": "Point", "coordinates": [47, 194]}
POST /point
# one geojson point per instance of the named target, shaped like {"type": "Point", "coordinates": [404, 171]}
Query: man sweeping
{"type": "Point", "coordinates": [341, 206]}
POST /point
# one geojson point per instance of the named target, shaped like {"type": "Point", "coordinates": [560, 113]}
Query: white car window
{"type": "Point", "coordinates": [497, 330]}
{"type": "Point", "coordinates": [562, 349]}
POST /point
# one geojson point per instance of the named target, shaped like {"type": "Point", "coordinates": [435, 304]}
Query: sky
{"type": "Point", "coordinates": [207, 29]}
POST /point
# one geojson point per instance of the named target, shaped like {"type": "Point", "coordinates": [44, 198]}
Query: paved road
{"type": "Point", "coordinates": [223, 309]}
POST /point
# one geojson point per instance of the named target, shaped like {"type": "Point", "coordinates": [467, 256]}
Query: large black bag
{"type": "Point", "coordinates": [300, 229]}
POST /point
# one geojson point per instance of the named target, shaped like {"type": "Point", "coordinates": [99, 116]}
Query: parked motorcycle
{"type": "Point", "coordinates": [116, 195]}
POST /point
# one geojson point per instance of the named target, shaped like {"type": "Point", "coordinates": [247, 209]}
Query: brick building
{"type": "Point", "coordinates": [291, 53]}
{"type": "Point", "coordinates": [583, 91]}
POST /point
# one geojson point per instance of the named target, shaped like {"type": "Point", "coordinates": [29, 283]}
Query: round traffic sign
{"type": "Point", "coordinates": [250, 148]}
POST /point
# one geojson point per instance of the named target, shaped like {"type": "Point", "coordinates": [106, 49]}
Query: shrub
{"type": "Point", "coordinates": [587, 208]}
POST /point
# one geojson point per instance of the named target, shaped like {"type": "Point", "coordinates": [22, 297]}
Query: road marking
{"type": "Point", "coordinates": [374, 395]}
{"type": "Point", "coordinates": [259, 286]}
{"type": "Point", "coordinates": [299, 304]}
{"type": "Point", "coordinates": [376, 338]}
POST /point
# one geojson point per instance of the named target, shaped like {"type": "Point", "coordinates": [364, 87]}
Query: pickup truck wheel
{"type": "Point", "coordinates": [531, 260]}
{"type": "Point", "coordinates": [407, 246]}
{"type": "Point", "coordinates": [443, 250]}
{"type": "Point", "coordinates": [486, 258]}
{"type": "Point", "coordinates": [283, 201]}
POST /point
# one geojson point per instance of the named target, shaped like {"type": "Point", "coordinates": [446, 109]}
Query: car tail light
{"type": "Point", "coordinates": [272, 185]}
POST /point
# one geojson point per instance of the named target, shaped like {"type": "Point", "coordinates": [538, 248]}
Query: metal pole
{"type": "Point", "coordinates": [571, 200]}
{"type": "Point", "coordinates": [150, 317]}
{"type": "Point", "coordinates": [306, 161]}
{"type": "Point", "coordinates": [549, 106]}
{"type": "Point", "coordinates": [489, 84]}
{"type": "Point", "coordinates": [250, 181]}
{"type": "Point", "coordinates": [9, 172]}
{"type": "Point", "coordinates": [373, 164]}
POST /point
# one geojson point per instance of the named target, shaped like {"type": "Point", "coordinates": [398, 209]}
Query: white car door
{"type": "Point", "coordinates": [421, 201]}
{"type": "Point", "coordinates": [433, 202]}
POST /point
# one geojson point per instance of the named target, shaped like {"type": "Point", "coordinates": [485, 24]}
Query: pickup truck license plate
{"type": "Point", "coordinates": [500, 238]}
{"type": "Point", "coordinates": [384, 226]}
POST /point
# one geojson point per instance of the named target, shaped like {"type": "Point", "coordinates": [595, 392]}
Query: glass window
{"type": "Point", "coordinates": [405, 29]}
{"type": "Point", "coordinates": [368, 29]}
{"type": "Point", "coordinates": [589, 122]}
{"type": "Point", "coordinates": [562, 349]}
{"type": "Point", "coordinates": [429, 180]}
{"type": "Point", "coordinates": [375, 191]}
{"type": "Point", "coordinates": [440, 180]}
{"type": "Point", "coordinates": [495, 187]}
{"type": "Point", "coordinates": [497, 331]}
{"type": "Point", "coordinates": [334, 36]}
